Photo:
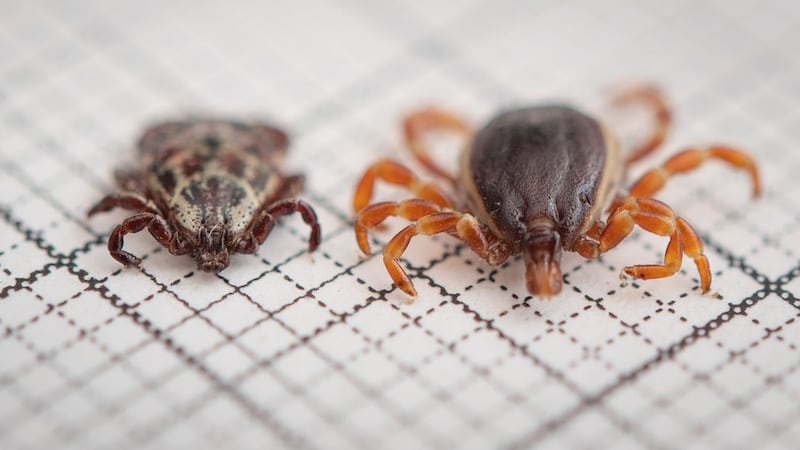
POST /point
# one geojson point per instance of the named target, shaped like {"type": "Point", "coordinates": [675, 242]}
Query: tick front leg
{"type": "Point", "coordinates": [463, 226]}
{"type": "Point", "coordinates": [157, 226]}
{"type": "Point", "coordinates": [654, 99]}
{"type": "Point", "coordinates": [396, 173]}
{"type": "Point", "coordinates": [289, 206]}
{"type": "Point", "coordinates": [256, 234]}
{"type": "Point", "coordinates": [373, 215]}
{"type": "Point", "coordinates": [657, 218]}
{"type": "Point", "coordinates": [130, 180]}
{"type": "Point", "coordinates": [417, 124]}
{"type": "Point", "coordinates": [129, 201]}
{"type": "Point", "coordinates": [690, 159]}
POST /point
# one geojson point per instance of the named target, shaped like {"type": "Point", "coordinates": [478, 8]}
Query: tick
{"type": "Point", "coordinates": [537, 181]}
{"type": "Point", "coordinates": [207, 188]}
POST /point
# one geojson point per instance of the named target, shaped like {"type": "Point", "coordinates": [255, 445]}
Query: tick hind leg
{"type": "Point", "coordinates": [461, 225]}
{"type": "Point", "coordinates": [417, 124]}
{"type": "Point", "coordinates": [397, 174]}
{"type": "Point", "coordinates": [129, 201]}
{"type": "Point", "coordinates": [655, 217]}
{"type": "Point", "coordinates": [689, 159]}
{"type": "Point", "coordinates": [654, 99]}
{"type": "Point", "coordinates": [285, 207]}
{"type": "Point", "coordinates": [130, 180]}
{"type": "Point", "coordinates": [154, 223]}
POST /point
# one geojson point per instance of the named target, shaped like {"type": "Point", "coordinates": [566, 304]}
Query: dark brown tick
{"type": "Point", "coordinates": [536, 181]}
{"type": "Point", "coordinates": [207, 188]}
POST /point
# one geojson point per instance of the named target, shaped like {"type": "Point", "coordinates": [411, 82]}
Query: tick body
{"type": "Point", "coordinates": [538, 181]}
{"type": "Point", "coordinates": [207, 188]}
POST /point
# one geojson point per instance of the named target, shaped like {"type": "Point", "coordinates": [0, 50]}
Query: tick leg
{"type": "Point", "coordinates": [262, 227]}
{"type": "Point", "coordinates": [289, 206]}
{"type": "Point", "coordinates": [256, 234]}
{"type": "Point", "coordinates": [130, 181]}
{"type": "Point", "coordinates": [417, 124]}
{"type": "Point", "coordinates": [291, 186]}
{"type": "Point", "coordinates": [178, 245]}
{"type": "Point", "coordinates": [463, 226]}
{"type": "Point", "coordinates": [154, 223]}
{"type": "Point", "coordinates": [653, 97]}
{"type": "Point", "coordinates": [689, 159]}
{"type": "Point", "coordinates": [130, 201]}
{"type": "Point", "coordinates": [373, 215]}
{"type": "Point", "coordinates": [657, 218]}
{"type": "Point", "coordinates": [395, 173]}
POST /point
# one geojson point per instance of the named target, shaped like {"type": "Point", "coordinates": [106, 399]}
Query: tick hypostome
{"type": "Point", "coordinates": [207, 188]}
{"type": "Point", "coordinates": [536, 181]}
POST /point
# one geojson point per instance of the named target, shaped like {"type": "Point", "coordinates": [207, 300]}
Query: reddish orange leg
{"type": "Point", "coordinates": [652, 96]}
{"type": "Point", "coordinates": [463, 226]}
{"type": "Point", "coordinates": [652, 181]}
{"type": "Point", "coordinates": [418, 123]}
{"type": "Point", "coordinates": [658, 218]}
{"type": "Point", "coordinates": [395, 173]}
{"type": "Point", "coordinates": [373, 215]}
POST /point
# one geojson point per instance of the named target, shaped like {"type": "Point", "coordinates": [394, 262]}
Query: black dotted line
{"type": "Point", "coordinates": [247, 405]}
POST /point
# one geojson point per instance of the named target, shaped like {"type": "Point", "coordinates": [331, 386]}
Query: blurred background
{"type": "Point", "coordinates": [287, 350]}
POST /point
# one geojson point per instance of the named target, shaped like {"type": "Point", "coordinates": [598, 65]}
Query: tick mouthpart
{"type": "Point", "coordinates": [212, 262]}
{"type": "Point", "coordinates": [543, 263]}
{"type": "Point", "coordinates": [212, 255]}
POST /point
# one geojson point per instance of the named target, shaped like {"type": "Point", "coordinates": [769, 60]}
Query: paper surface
{"type": "Point", "coordinates": [289, 350]}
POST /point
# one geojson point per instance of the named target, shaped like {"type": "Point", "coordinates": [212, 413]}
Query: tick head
{"type": "Point", "coordinates": [543, 263]}
{"type": "Point", "coordinates": [212, 253]}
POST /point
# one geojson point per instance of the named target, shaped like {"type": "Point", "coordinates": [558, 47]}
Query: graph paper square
{"type": "Point", "coordinates": [286, 349]}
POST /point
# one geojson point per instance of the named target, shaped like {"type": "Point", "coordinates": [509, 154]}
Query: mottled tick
{"type": "Point", "coordinates": [207, 188]}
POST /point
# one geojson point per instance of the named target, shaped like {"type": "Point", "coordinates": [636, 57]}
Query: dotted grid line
{"type": "Point", "coordinates": [663, 355]}
{"type": "Point", "coordinates": [433, 284]}
{"type": "Point", "coordinates": [129, 312]}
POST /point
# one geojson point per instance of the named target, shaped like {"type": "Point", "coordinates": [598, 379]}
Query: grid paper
{"type": "Point", "coordinates": [288, 350]}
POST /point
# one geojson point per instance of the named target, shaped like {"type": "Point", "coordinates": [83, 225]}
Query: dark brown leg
{"type": "Point", "coordinates": [373, 215]}
{"type": "Point", "coordinates": [130, 181]}
{"type": "Point", "coordinates": [291, 186]}
{"type": "Point", "coordinates": [272, 138]}
{"type": "Point", "coordinates": [262, 224]}
{"type": "Point", "coordinates": [395, 173]}
{"type": "Point", "coordinates": [689, 159]}
{"type": "Point", "coordinates": [260, 227]}
{"type": "Point", "coordinates": [658, 218]}
{"type": "Point", "coordinates": [461, 225]}
{"type": "Point", "coordinates": [256, 234]}
{"type": "Point", "coordinates": [154, 223]}
{"type": "Point", "coordinates": [179, 245]}
{"type": "Point", "coordinates": [129, 201]}
{"type": "Point", "coordinates": [653, 97]}
{"type": "Point", "coordinates": [417, 124]}
{"type": "Point", "coordinates": [289, 206]}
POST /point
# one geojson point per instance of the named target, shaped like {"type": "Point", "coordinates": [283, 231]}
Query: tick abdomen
{"type": "Point", "coordinates": [533, 164]}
